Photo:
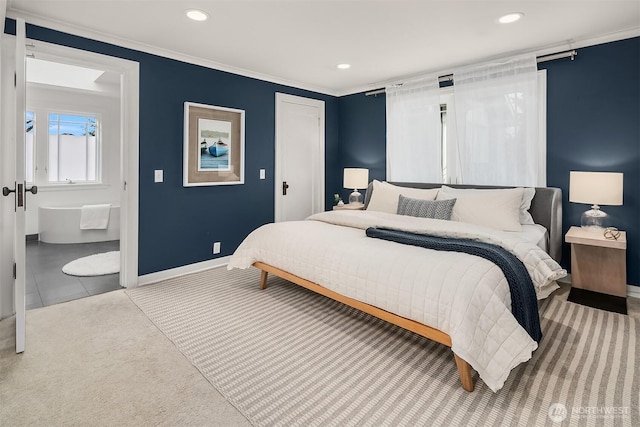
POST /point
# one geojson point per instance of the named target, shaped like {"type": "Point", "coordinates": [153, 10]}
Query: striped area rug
{"type": "Point", "coordinates": [286, 356]}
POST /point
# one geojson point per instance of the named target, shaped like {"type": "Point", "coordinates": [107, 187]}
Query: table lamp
{"type": "Point", "coordinates": [356, 178]}
{"type": "Point", "coordinates": [595, 188]}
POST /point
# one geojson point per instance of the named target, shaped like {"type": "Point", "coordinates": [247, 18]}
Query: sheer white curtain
{"type": "Point", "coordinates": [414, 150]}
{"type": "Point", "coordinates": [497, 117]}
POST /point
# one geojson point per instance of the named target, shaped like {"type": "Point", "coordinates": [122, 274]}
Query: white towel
{"type": "Point", "coordinates": [94, 217]}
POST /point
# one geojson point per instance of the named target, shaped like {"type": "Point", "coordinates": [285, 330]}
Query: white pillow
{"type": "Point", "coordinates": [525, 204]}
{"type": "Point", "coordinates": [495, 209]}
{"type": "Point", "coordinates": [384, 197]}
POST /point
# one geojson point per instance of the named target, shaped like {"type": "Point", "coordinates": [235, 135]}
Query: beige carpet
{"type": "Point", "coordinates": [99, 361]}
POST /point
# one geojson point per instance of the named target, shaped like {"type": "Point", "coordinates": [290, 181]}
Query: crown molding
{"type": "Point", "coordinates": [154, 50]}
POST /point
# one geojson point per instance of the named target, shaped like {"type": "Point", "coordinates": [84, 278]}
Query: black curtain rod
{"type": "Point", "coordinates": [449, 77]}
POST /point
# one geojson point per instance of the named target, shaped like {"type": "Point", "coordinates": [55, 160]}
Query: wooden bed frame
{"type": "Point", "coordinates": [464, 369]}
{"type": "Point", "coordinates": [546, 209]}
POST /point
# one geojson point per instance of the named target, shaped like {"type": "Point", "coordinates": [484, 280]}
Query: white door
{"type": "Point", "coordinates": [15, 191]}
{"type": "Point", "coordinates": [299, 176]}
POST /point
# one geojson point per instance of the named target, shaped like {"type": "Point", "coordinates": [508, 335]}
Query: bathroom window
{"type": "Point", "coordinates": [29, 151]}
{"type": "Point", "coordinates": [74, 148]}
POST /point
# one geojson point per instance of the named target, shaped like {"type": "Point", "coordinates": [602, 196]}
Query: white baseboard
{"type": "Point", "coordinates": [147, 279]}
{"type": "Point", "coordinates": [632, 290]}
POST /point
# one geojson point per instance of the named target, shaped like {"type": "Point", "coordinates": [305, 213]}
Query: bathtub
{"type": "Point", "coordinates": [61, 224]}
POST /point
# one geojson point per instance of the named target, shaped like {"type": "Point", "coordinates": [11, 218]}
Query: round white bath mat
{"type": "Point", "coordinates": [94, 265]}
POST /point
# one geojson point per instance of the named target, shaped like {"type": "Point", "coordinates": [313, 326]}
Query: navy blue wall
{"type": "Point", "coordinates": [179, 225]}
{"type": "Point", "coordinates": [593, 124]}
{"type": "Point", "coordinates": [362, 129]}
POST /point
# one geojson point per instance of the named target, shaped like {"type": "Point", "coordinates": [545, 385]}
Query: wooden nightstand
{"type": "Point", "coordinates": [598, 266]}
{"type": "Point", "coordinates": [348, 207]}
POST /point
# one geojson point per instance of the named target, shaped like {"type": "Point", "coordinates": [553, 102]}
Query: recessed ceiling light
{"type": "Point", "coordinates": [197, 15]}
{"type": "Point", "coordinates": [344, 66]}
{"type": "Point", "coordinates": [511, 17]}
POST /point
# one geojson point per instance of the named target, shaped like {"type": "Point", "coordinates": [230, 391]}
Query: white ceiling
{"type": "Point", "coordinates": [300, 42]}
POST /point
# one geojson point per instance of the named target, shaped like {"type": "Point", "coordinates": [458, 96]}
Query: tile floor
{"type": "Point", "coordinates": [47, 284]}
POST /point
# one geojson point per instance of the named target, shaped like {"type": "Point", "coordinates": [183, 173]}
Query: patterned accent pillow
{"type": "Point", "coordinates": [436, 209]}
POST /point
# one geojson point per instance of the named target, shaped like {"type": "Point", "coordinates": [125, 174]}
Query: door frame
{"type": "Point", "coordinates": [129, 141]}
{"type": "Point", "coordinates": [319, 186]}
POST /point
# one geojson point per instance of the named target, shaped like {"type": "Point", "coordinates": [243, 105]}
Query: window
{"type": "Point", "coordinates": [497, 107]}
{"type": "Point", "coordinates": [489, 129]}
{"type": "Point", "coordinates": [443, 141]}
{"type": "Point", "coordinates": [414, 137]}
{"type": "Point", "coordinates": [73, 151]}
{"type": "Point", "coordinates": [29, 152]}
{"type": "Point", "coordinates": [449, 142]}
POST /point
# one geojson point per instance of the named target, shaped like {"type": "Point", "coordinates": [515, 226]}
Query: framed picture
{"type": "Point", "coordinates": [213, 145]}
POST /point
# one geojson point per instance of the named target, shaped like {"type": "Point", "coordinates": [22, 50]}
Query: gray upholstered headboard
{"type": "Point", "coordinates": [546, 209]}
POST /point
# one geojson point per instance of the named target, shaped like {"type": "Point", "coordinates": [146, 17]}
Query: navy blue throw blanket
{"type": "Point", "coordinates": [524, 304]}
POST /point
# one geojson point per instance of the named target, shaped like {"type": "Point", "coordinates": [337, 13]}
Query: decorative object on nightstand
{"type": "Point", "coordinates": [611, 233]}
{"type": "Point", "coordinates": [598, 268]}
{"type": "Point", "coordinates": [355, 178]}
{"type": "Point", "coordinates": [338, 200]}
{"type": "Point", "coordinates": [595, 188]}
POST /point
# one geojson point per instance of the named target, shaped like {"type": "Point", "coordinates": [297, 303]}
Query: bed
{"type": "Point", "coordinates": [461, 300]}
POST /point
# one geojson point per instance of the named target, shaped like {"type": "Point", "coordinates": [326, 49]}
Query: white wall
{"type": "Point", "coordinates": [44, 99]}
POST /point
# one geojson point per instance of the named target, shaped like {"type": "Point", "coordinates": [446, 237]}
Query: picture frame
{"type": "Point", "coordinates": [213, 145]}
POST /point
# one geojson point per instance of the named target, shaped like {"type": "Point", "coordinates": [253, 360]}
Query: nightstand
{"type": "Point", "coordinates": [348, 207]}
{"type": "Point", "coordinates": [598, 269]}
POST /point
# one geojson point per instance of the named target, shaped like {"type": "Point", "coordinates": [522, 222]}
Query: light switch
{"type": "Point", "coordinates": [158, 175]}
{"type": "Point", "coordinates": [262, 174]}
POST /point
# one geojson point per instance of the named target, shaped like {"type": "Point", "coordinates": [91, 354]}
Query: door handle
{"type": "Point", "coordinates": [20, 192]}
{"type": "Point", "coordinates": [284, 188]}
{"type": "Point", "coordinates": [6, 191]}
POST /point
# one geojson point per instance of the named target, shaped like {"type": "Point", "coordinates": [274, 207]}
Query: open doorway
{"type": "Point", "coordinates": [81, 228]}
{"type": "Point", "coordinates": [72, 155]}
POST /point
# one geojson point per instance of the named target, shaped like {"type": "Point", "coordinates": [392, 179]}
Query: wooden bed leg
{"type": "Point", "coordinates": [464, 370]}
{"type": "Point", "coordinates": [263, 279]}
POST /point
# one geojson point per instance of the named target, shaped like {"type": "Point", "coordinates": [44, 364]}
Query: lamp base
{"type": "Point", "coordinates": [355, 198]}
{"type": "Point", "coordinates": [594, 218]}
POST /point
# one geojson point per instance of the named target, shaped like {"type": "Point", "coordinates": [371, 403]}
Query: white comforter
{"type": "Point", "coordinates": [465, 296]}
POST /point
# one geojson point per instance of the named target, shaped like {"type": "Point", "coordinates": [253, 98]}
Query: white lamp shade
{"type": "Point", "coordinates": [356, 178]}
{"type": "Point", "coordinates": [597, 188]}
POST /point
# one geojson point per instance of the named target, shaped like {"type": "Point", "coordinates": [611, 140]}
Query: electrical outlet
{"type": "Point", "coordinates": [158, 175]}
{"type": "Point", "coordinates": [216, 248]}
{"type": "Point", "coordinates": [263, 174]}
